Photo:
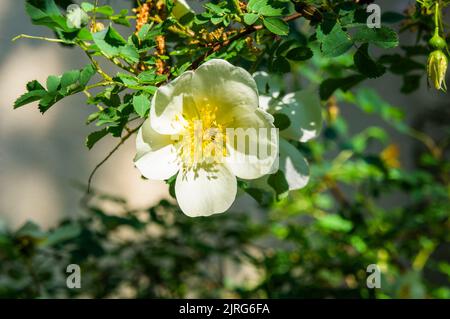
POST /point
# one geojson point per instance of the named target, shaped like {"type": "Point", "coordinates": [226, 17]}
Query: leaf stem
{"type": "Point", "coordinates": [122, 140]}
{"type": "Point", "coordinates": [26, 36]}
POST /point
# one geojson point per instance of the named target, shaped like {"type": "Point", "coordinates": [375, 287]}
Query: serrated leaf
{"type": "Point", "coordinates": [278, 182]}
{"type": "Point", "coordinates": [255, 5]}
{"type": "Point", "coordinates": [276, 25]}
{"type": "Point", "coordinates": [86, 74]}
{"type": "Point", "coordinates": [334, 43]}
{"type": "Point", "coordinates": [94, 137]}
{"type": "Point", "coordinates": [328, 86]}
{"type": "Point", "coordinates": [69, 78]}
{"type": "Point", "coordinates": [149, 77]}
{"type": "Point", "coordinates": [109, 41]}
{"type": "Point", "coordinates": [383, 37]}
{"type": "Point", "coordinates": [34, 85]}
{"type": "Point", "coordinates": [269, 11]}
{"type": "Point", "coordinates": [53, 82]}
{"type": "Point", "coordinates": [141, 104]}
{"type": "Point", "coordinates": [87, 6]}
{"type": "Point", "coordinates": [45, 12]}
{"type": "Point", "coordinates": [250, 18]}
{"type": "Point", "coordinates": [281, 65]}
{"type": "Point", "coordinates": [127, 79]}
{"type": "Point", "coordinates": [62, 234]}
{"type": "Point", "coordinates": [365, 64]}
{"type": "Point", "coordinates": [410, 83]}
{"type": "Point", "coordinates": [48, 101]}
{"type": "Point", "coordinates": [300, 54]}
{"type": "Point", "coordinates": [129, 53]}
{"type": "Point", "coordinates": [105, 10]}
{"type": "Point", "coordinates": [29, 97]}
{"type": "Point", "coordinates": [335, 223]}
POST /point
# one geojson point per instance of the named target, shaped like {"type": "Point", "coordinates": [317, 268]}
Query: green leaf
{"type": "Point", "coordinates": [250, 18]}
{"type": "Point", "coordinates": [129, 53]}
{"type": "Point", "coordinates": [57, 88]}
{"type": "Point", "coordinates": [411, 83]}
{"type": "Point", "coordinates": [270, 11]}
{"type": "Point", "coordinates": [276, 25]}
{"type": "Point", "coordinates": [383, 37]}
{"type": "Point", "coordinates": [255, 5]}
{"type": "Point", "coordinates": [335, 43]}
{"type": "Point", "coordinates": [62, 234]}
{"type": "Point", "coordinates": [105, 10]}
{"type": "Point", "coordinates": [49, 100]}
{"type": "Point", "coordinates": [281, 121]}
{"type": "Point", "coordinates": [34, 85]}
{"type": "Point", "coordinates": [149, 77]}
{"type": "Point", "coordinates": [29, 97]}
{"type": "Point", "coordinates": [69, 81]}
{"type": "Point", "coordinates": [94, 137]}
{"type": "Point", "coordinates": [392, 17]}
{"type": "Point", "coordinates": [53, 83]}
{"type": "Point", "coordinates": [281, 65]}
{"type": "Point", "coordinates": [45, 12]}
{"type": "Point", "coordinates": [328, 86]}
{"type": "Point", "coordinates": [335, 223]}
{"type": "Point", "coordinates": [30, 229]}
{"type": "Point", "coordinates": [127, 79]}
{"type": "Point", "coordinates": [300, 54]}
{"type": "Point", "coordinates": [141, 104]}
{"type": "Point", "coordinates": [109, 41]}
{"type": "Point", "coordinates": [87, 6]}
{"type": "Point", "coordinates": [86, 74]}
{"type": "Point", "coordinates": [365, 64]}
{"type": "Point", "coordinates": [279, 183]}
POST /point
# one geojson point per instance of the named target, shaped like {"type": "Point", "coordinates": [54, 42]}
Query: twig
{"type": "Point", "coordinates": [122, 140]}
{"type": "Point", "coordinates": [26, 36]}
{"type": "Point", "coordinates": [241, 34]}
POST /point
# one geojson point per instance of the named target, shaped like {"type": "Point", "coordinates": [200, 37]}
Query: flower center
{"type": "Point", "coordinates": [203, 139]}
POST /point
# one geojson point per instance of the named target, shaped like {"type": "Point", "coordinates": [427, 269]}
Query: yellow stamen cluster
{"type": "Point", "coordinates": [203, 139]}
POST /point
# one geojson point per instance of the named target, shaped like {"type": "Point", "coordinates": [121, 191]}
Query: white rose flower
{"type": "Point", "coordinates": [76, 17]}
{"type": "Point", "coordinates": [303, 108]}
{"type": "Point", "coordinates": [196, 111]}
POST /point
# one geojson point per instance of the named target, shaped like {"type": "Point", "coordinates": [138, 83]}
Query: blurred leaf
{"type": "Point", "coordinates": [276, 25]}
{"type": "Point", "coordinates": [365, 64]}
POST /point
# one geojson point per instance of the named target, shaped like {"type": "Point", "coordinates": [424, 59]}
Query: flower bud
{"type": "Point", "coordinates": [97, 27]}
{"type": "Point", "coordinates": [76, 17]}
{"type": "Point", "coordinates": [436, 68]}
{"type": "Point", "coordinates": [437, 42]}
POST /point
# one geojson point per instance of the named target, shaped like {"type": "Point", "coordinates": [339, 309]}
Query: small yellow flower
{"type": "Point", "coordinates": [437, 67]}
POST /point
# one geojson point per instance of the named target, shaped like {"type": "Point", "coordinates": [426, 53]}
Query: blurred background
{"type": "Point", "coordinates": [43, 159]}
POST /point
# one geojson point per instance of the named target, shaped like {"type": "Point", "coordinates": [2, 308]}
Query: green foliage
{"type": "Point", "coordinates": [315, 242]}
{"type": "Point", "coordinates": [58, 87]}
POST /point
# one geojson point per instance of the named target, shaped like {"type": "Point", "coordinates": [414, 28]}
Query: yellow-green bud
{"type": "Point", "coordinates": [437, 67]}
{"type": "Point", "coordinates": [437, 42]}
